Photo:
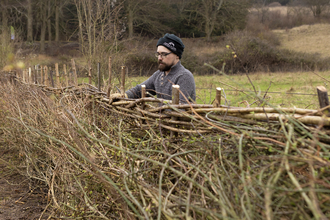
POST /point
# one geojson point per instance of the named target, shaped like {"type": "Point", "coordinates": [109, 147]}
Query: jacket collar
{"type": "Point", "coordinates": [175, 68]}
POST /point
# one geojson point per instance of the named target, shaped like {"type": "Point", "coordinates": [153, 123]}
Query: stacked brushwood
{"type": "Point", "coordinates": [113, 159]}
{"type": "Point", "coordinates": [199, 118]}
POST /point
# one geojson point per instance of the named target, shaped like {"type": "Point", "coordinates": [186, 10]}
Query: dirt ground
{"type": "Point", "coordinates": [20, 197]}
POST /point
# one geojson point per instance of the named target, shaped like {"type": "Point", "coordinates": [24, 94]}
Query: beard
{"type": "Point", "coordinates": [163, 66]}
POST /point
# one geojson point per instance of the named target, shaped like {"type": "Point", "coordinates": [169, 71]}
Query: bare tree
{"type": "Point", "coordinates": [57, 20]}
{"type": "Point", "coordinates": [317, 6]}
{"type": "Point", "coordinates": [211, 9]}
{"type": "Point", "coordinates": [4, 29]}
{"type": "Point", "coordinates": [96, 24]}
{"type": "Point", "coordinates": [21, 16]}
{"type": "Point", "coordinates": [218, 15]}
{"type": "Point", "coordinates": [29, 21]}
{"type": "Point", "coordinates": [50, 11]}
{"type": "Point", "coordinates": [208, 10]}
{"type": "Point", "coordinates": [146, 15]}
{"type": "Point", "coordinates": [43, 17]}
{"type": "Point", "coordinates": [4, 43]}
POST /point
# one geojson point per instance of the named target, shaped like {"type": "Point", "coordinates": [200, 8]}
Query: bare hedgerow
{"type": "Point", "coordinates": [98, 162]}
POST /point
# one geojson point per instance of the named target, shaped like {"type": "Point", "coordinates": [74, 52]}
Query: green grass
{"type": "Point", "coordinates": [285, 89]}
{"type": "Point", "coordinates": [279, 86]}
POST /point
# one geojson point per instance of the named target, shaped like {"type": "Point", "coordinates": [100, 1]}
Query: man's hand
{"type": "Point", "coordinates": [115, 96]}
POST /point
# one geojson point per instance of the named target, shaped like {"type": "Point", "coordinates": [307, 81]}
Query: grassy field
{"type": "Point", "coordinates": [307, 39]}
{"type": "Point", "coordinates": [284, 89]}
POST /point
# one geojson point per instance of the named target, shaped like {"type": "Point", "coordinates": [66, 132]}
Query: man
{"type": "Point", "coordinates": [170, 72]}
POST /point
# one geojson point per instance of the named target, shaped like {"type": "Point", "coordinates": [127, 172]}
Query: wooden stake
{"type": "Point", "coordinates": [30, 75]}
{"type": "Point", "coordinates": [13, 77]}
{"type": "Point", "coordinates": [57, 76]}
{"type": "Point", "coordinates": [74, 70]}
{"type": "Point", "coordinates": [110, 72]}
{"type": "Point", "coordinates": [217, 101]}
{"type": "Point", "coordinates": [66, 75]}
{"type": "Point", "coordinates": [51, 77]}
{"type": "Point", "coordinates": [42, 75]}
{"type": "Point", "coordinates": [98, 76]}
{"type": "Point", "coordinates": [143, 95]}
{"type": "Point", "coordinates": [323, 98]}
{"type": "Point", "coordinates": [175, 94]}
{"type": "Point", "coordinates": [175, 101]}
{"type": "Point", "coordinates": [23, 75]}
{"type": "Point", "coordinates": [46, 76]}
{"type": "Point", "coordinates": [35, 73]}
{"type": "Point", "coordinates": [122, 87]}
{"type": "Point", "coordinates": [89, 73]}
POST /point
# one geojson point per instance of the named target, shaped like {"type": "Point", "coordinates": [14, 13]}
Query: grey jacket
{"type": "Point", "coordinates": [161, 85]}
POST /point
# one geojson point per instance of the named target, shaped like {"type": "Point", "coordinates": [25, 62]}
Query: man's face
{"type": "Point", "coordinates": [166, 62]}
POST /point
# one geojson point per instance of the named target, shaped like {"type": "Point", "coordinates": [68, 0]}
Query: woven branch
{"type": "Point", "coordinates": [187, 112]}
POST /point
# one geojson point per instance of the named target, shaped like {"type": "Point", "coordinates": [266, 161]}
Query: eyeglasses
{"type": "Point", "coordinates": [162, 55]}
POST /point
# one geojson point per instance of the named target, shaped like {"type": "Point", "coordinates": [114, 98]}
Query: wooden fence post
{"type": "Point", "coordinates": [98, 76]}
{"type": "Point", "coordinates": [175, 101]}
{"type": "Point", "coordinates": [143, 95]}
{"type": "Point", "coordinates": [66, 76]}
{"type": "Point", "coordinates": [74, 70]}
{"type": "Point", "coordinates": [217, 101]}
{"type": "Point", "coordinates": [89, 73]}
{"type": "Point", "coordinates": [51, 77]}
{"type": "Point", "coordinates": [46, 76]}
{"type": "Point", "coordinates": [110, 73]}
{"type": "Point", "coordinates": [39, 75]}
{"type": "Point", "coordinates": [35, 72]}
{"type": "Point", "coordinates": [57, 76]}
{"type": "Point", "coordinates": [13, 77]}
{"type": "Point", "coordinates": [122, 87]}
{"type": "Point", "coordinates": [30, 75]}
{"type": "Point", "coordinates": [323, 98]}
{"type": "Point", "coordinates": [23, 75]}
{"type": "Point", "coordinates": [42, 75]}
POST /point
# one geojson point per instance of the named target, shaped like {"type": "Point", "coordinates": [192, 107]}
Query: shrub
{"type": "Point", "coordinates": [6, 48]}
{"type": "Point", "coordinates": [274, 4]}
{"type": "Point", "coordinates": [141, 64]}
{"type": "Point", "coordinates": [280, 18]}
{"type": "Point", "coordinates": [248, 53]}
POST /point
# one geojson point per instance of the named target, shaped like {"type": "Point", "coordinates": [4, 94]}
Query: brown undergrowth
{"type": "Point", "coordinates": [99, 164]}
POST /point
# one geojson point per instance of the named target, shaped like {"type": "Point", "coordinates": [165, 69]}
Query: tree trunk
{"type": "Point", "coordinates": [208, 30]}
{"type": "Point", "coordinates": [80, 20]}
{"type": "Point", "coordinates": [207, 19]}
{"type": "Point", "coordinates": [130, 21]}
{"type": "Point", "coordinates": [89, 25]}
{"type": "Point", "coordinates": [81, 40]}
{"type": "Point", "coordinates": [318, 11]}
{"type": "Point", "coordinates": [211, 9]}
{"type": "Point", "coordinates": [49, 24]}
{"type": "Point", "coordinates": [5, 29]}
{"type": "Point", "coordinates": [43, 28]}
{"type": "Point", "coordinates": [29, 21]}
{"type": "Point", "coordinates": [57, 21]}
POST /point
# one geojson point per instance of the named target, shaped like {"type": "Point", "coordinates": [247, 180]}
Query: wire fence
{"type": "Point", "coordinates": [239, 97]}
{"type": "Point", "coordinates": [205, 95]}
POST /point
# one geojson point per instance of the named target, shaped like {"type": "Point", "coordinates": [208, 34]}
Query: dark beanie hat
{"type": "Point", "coordinates": [173, 43]}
